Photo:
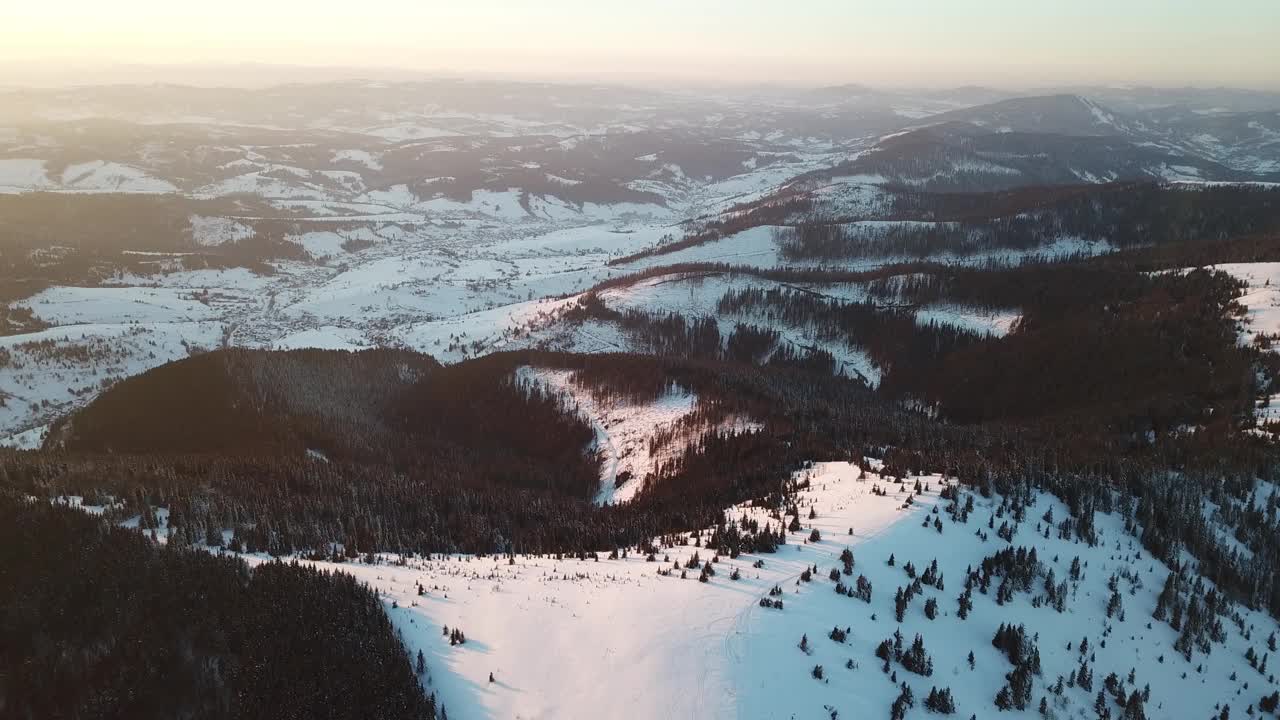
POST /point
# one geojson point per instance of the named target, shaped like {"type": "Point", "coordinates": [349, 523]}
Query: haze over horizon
{"type": "Point", "coordinates": [932, 43]}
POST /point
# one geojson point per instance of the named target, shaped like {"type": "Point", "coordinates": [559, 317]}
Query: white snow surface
{"type": "Point", "coordinates": [94, 176]}
{"type": "Point", "coordinates": [697, 295]}
{"type": "Point", "coordinates": [756, 247]}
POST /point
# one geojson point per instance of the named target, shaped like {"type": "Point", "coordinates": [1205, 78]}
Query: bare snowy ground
{"type": "Point", "coordinates": [26, 440]}
{"type": "Point", "coordinates": [697, 297]}
{"type": "Point", "coordinates": [608, 638]}
{"type": "Point", "coordinates": [388, 267]}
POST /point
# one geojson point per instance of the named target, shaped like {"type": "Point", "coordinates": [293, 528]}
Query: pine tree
{"type": "Point", "coordinates": [1115, 606]}
{"type": "Point", "coordinates": [1004, 699]}
{"type": "Point", "coordinates": [904, 701]}
{"type": "Point", "coordinates": [1100, 705]}
{"type": "Point", "coordinates": [1133, 709]}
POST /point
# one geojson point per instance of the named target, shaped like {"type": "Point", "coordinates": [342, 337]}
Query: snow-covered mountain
{"type": "Point", "coordinates": [1051, 114]}
{"type": "Point", "coordinates": [755, 402]}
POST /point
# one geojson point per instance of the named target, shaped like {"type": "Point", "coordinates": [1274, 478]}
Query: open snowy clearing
{"type": "Point", "coordinates": [80, 305]}
{"type": "Point", "coordinates": [27, 439]}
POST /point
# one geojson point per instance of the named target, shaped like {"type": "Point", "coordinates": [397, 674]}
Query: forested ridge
{"type": "Point", "coordinates": [911, 222]}
{"type": "Point", "coordinates": [1126, 215]}
{"type": "Point", "coordinates": [297, 504]}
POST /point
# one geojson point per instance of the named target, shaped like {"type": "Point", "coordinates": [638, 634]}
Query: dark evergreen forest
{"type": "Point", "coordinates": [97, 622]}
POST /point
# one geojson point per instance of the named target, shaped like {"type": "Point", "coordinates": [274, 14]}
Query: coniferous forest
{"type": "Point", "coordinates": [97, 622]}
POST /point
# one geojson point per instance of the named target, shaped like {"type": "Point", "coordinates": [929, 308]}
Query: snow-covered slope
{"type": "Point", "coordinates": [617, 638]}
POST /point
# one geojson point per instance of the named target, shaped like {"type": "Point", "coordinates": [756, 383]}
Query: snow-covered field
{"type": "Point", "coordinates": [395, 260]}
{"type": "Point", "coordinates": [453, 279]}
{"type": "Point", "coordinates": [1261, 320]}
{"type": "Point", "coordinates": [614, 638]}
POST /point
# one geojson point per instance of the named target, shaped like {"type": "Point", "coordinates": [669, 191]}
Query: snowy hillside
{"type": "Point", "coordinates": [655, 641]}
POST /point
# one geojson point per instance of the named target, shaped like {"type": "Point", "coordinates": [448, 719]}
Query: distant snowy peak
{"type": "Point", "coordinates": [962, 157]}
{"type": "Point", "coordinates": [102, 176]}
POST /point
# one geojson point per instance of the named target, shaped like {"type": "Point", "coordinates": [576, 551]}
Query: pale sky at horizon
{"type": "Point", "coordinates": [804, 42]}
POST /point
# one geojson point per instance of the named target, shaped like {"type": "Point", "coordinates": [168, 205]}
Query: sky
{"type": "Point", "coordinates": [1006, 43]}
